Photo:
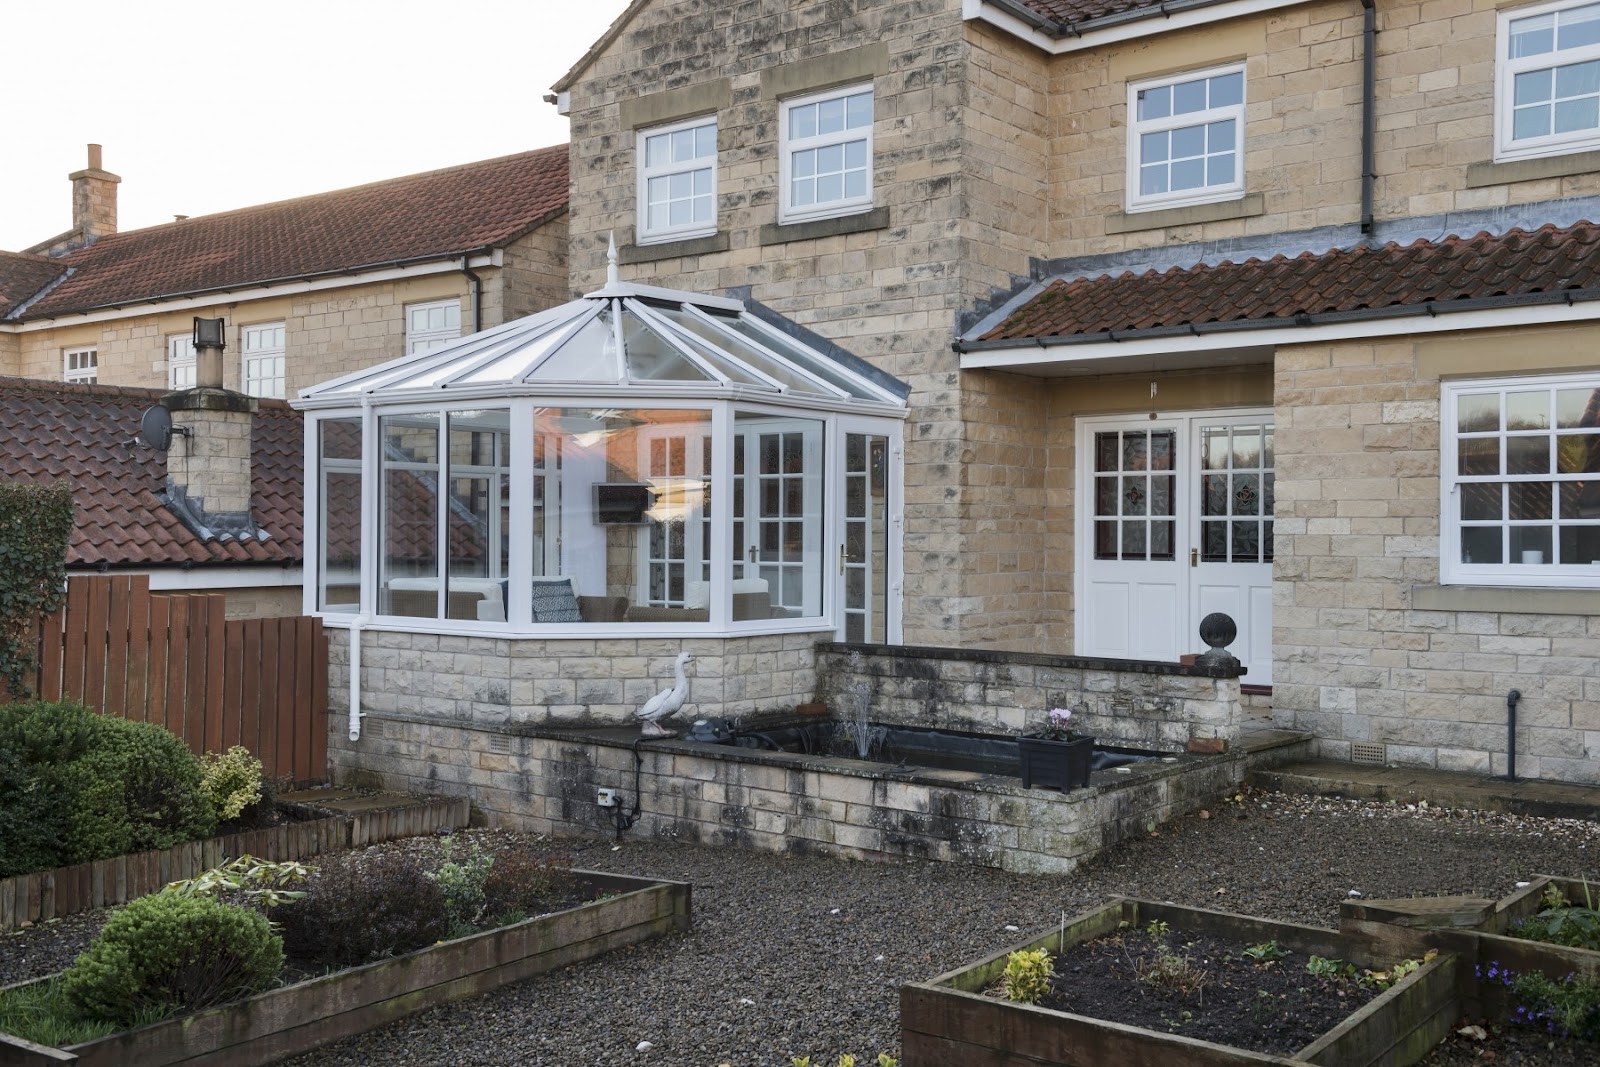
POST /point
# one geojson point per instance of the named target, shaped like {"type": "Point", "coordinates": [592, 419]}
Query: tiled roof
{"type": "Point", "coordinates": [1079, 10]}
{"type": "Point", "coordinates": [1517, 263]}
{"type": "Point", "coordinates": [84, 433]}
{"type": "Point", "coordinates": [22, 276]}
{"type": "Point", "coordinates": [419, 217]}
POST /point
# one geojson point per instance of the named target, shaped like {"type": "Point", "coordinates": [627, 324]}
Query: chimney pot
{"type": "Point", "coordinates": [94, 157]}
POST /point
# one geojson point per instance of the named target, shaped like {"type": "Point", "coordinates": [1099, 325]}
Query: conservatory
{"type": "Point", "coordinates": [638, 462]}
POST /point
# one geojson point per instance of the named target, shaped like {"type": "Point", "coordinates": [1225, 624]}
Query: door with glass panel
{"type": "Point", "coordinates": [864, 548]}
{"type": "Point", "coordinates": [1175, 523]}
{"type": "Point", "coordinates": [777, 518]}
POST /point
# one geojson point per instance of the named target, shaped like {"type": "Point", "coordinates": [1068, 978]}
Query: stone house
{"type": "Point", "coordinates": [310, 288]}
{"type": "Point", "coordinates": [1278, 308]}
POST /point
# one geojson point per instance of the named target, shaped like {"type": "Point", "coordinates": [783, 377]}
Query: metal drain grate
{"type": "Point", "coordinates": [500, 744]}
{"type": "Point", "coordinates": [1368, 752]}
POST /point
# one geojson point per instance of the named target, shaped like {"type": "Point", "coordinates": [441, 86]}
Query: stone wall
{"type": "Point", "coordinates": [502, 681]}
{"type": "Point", "coordinates": [545, 781]}
{"type": "Point", "coordinates": [1368, 647]}
{"type": "Point", "coordinates": [1162, 706]}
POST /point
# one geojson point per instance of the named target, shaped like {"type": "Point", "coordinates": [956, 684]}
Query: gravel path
{"type": "Point", "coordinates": [805, 956]}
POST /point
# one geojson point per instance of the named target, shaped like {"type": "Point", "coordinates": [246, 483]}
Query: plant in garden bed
{"type": "Point", "coordinates": [1569, 1007]}
{"type": "Point", "coordinates": [1562, 922]}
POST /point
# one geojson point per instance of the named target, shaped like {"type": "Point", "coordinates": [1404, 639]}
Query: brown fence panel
{"type": "Point", "coordinates": [176, 660]}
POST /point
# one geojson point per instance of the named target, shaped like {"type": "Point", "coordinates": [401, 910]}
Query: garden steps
{"type": "Point", "coordinates": [1445, 789]}
{"type": "Point", "coordinates": [356, 819]}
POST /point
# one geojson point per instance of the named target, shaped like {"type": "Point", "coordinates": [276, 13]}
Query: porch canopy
{"type": "Point", "coordinates": [638, 458]}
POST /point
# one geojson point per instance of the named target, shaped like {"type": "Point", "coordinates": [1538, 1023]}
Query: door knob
{"type": "Point", "coordinates": [1194, 557]}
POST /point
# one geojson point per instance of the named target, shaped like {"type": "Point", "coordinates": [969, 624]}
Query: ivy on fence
{"type": "Point", "coordinates": [35, 525]}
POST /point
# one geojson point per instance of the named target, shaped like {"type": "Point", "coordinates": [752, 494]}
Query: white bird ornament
{"type": "Point", "coordinates": [666, 703]}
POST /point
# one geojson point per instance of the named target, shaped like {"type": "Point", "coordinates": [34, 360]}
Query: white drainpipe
{"type": "Point", "coordinates": [355, 677]}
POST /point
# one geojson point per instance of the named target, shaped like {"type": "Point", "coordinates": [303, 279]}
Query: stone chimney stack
{"type": "Point", "coordinates": [94, 200]}
{"type": "Point", "coordinates": [208, 470]}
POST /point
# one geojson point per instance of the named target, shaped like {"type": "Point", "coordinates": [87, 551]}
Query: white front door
{"type": "Point", "coordinates": [1175, 522]}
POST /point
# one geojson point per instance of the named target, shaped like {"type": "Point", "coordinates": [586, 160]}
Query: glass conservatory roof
{"type": "Point", "coordinates": [636, 338]}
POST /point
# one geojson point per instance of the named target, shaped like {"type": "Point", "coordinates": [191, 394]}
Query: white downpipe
{"type": "Point", "coordinates": [355, 676]}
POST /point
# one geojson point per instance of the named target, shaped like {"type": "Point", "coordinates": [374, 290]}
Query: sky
{"type": "Point", "coordinates": [207, 106]}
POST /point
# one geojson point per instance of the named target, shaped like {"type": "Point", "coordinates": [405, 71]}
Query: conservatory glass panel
{"type": "Point", "coordinates": [783, 520]}
{"type": "Point", "coordinates": [741, 349]}
{"type": "Point", "coordinates": [590, 356]}
{"type": "Point", "coordinates": [622, 510]}
{"type": "Point", "coordinates": [651, 358]}
{"type": "Point", "coordinates": [516, 360]}
{"type": "Point", "coordinates": [408, 577]}
{"type": "Point", "coordinates": [477, 523]}
{"type": "Point", "coordinates": [802, 358]}
{"type": "Point", "coordinates": [339, 576]}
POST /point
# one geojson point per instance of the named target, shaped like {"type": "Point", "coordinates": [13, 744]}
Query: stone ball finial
{"type": "Point", "coordinates": [1218, 630]}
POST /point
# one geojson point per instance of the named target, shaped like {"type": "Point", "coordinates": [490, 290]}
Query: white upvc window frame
{"type": "Point", "coordinates": [437, 327]}
{"type": "Point", "coordinates": [1544, 571]}
{"type": "Point", "coordinates": [1506, 146]}
{"type": "Point", "coordinates": [790, 146]}
{"type": "Point", "coordinates": [1136, 201]}
{"type": "Point", "coordinates": [81, 364]}
{"type": "Point", "coordinates": [261, 359]}
{"type": "Point", "coordinates": [181, 364]}
{"type": "Point", "coordinates": [690, 167]}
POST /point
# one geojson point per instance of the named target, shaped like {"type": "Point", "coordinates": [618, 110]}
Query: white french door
{"type": "Point", "coordinates": [1175, 522]}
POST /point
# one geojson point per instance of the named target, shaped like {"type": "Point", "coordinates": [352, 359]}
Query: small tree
{"type": "Point", "coordinates": [35, 525]}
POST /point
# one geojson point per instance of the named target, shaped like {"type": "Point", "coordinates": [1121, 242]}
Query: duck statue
{"type": "Point", "coordinates": [666, 703]}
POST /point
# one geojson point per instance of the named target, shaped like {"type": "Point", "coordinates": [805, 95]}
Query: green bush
{"type": "Point", "coordinates": [32, 822]}
{"type": "Point", "coordinates": [231, 782]}
{"type": "Point", "coordinates": [365, 906]}
{"type": "Point", "coordinates": [137, 788]}
{"type": "Point", "coordinates": [172, 953]}
{"type": "Point", "coordinates": [35, 528]}
{"type": "Point", "coordinates": [47, 733]}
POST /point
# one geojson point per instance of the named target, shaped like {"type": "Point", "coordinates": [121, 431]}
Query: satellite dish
{"type": "Point", "coordinates": [155, 428]}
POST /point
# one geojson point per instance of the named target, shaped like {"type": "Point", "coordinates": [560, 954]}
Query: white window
{"type": "Point", "coordinates": [826, 161]}
{"type": "Point", "coordinates": [432, 325]}
{"type": "Point", "coordinates": [678, 181]}
{"type": "Point", "coordinates": [1547, 80]}
{"type": "Point", "coordinates": [80, 365]}
{"type": "Point", "coordinates": [180, 361]}
{"type": "Point", "coordinates": [262, 372]}
{"type": "Point", "coordinates": [1186, 139]}
{"type": "Point", "coordinates": [1520, 481]}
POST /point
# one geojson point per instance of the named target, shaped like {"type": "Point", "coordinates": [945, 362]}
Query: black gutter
{"type": "Point", "coordinates": [1369, 81]}
{"type": "Point", "coordinates": [1430, 309]}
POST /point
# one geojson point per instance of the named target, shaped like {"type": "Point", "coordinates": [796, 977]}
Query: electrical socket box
{"type": "Point", "coordinates": [606, 798]}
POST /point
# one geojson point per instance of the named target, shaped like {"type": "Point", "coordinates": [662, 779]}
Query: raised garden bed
{"type": "Point", "coordinates": [64, 891]}
{"type": "Point", "coordinates": [291, 1019]}
{"type": "Point", "coordinates": [951, 1020]}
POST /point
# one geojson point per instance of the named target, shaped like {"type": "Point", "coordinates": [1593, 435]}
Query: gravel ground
{"type": "Point", "coordinates": [805, 956]}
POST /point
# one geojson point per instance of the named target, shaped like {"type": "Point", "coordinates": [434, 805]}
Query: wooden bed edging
{"type": "Point", "coordinates": [289, 1020]}
{"type": "Point", "coordinates": [949, 1023]}
{"type": "Point", "coordinates": [45, 895]}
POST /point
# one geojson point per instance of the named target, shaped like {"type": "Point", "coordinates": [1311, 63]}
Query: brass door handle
{"type": "Point", "coordinates": [1194, 557]}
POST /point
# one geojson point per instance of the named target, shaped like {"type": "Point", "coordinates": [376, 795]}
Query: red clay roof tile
{"type": "Point", "coordinates": [22, 276]}
{"type": "Point", "coordinates": [422, 216]}
{"type": "Point", "coordinates": [1512, 264]}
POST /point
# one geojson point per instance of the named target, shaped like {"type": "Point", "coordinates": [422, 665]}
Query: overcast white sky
{"type": "Point", "coordinates": [207, 106]}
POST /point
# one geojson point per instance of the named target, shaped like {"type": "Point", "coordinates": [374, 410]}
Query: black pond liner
{"type": "Point", "coordinates": [910, 746]}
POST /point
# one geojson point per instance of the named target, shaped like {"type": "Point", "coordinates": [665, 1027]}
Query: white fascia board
{"type": "Point", "coordinates": [1024, 356]}
{"type": "Point", "coordinates": [1156, 23]}
{"type": "Point", "coordinates": [633, 395]}
{"type": "Point", "coordinates": [261, 292]}
{"type": "Point", "coordinates": [192, 579]}
{"type": "Point", "coordinates": [627, 290]}
{"type": "Point", "coordinates": [564, 103]}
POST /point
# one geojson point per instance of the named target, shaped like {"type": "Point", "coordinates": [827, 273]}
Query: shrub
{"type": "Point", "coordinates": [33, 823]}
{"type": "Point", "coordinates": [1027, 975]}
{"type": "Point", "coordinates": [231, 781]}
{"type": "Point", "coordinates": [35, 527]}
{"type": "Point", "coordinates": [172, 953]}
{"type": "Point", "coordinates": [365, 906]}
{"type": "Point", "coordinates": [137, 788]}
{"type": "Point", "coordinates": [463, 888]}
{"type": "Point", "coordinates": [521, 884]}
{"type": "Point", "coordinates": [47, 733]}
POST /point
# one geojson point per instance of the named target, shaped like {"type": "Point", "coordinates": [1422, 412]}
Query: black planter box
{"type": "Point", "coordinates": [1062, 765]}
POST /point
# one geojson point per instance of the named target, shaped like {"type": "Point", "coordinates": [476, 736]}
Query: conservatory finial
{"type": "Point", "coordinates": [612, 277]}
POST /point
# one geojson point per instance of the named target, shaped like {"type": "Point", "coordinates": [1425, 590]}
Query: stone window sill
{"type": "Point", "coordinates": [694, 246]}
{"type": "Point", "coordinates": [777, 234]}
{"type": "Point", "coordinates": [1529, 170]}
{"type": "Point", "coordinates": [1246, 207]}
{"type": "Point", "coordinates": [1503, 600]}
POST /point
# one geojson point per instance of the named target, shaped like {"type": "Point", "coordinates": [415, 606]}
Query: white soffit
{"type": "Point", "coordinates": [1157, 22]}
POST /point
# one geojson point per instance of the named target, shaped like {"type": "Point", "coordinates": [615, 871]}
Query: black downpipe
{"type": "Point", "coordinates": [1511, 733]}
{"type": "Point", "coordinates": [1369, 79]}
{"type": "Point", "coordinates": [477, 293]}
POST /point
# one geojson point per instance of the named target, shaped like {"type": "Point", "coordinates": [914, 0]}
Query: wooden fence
{"type": "Point", "coordinates": [174, 659]}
